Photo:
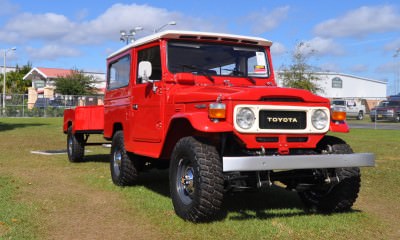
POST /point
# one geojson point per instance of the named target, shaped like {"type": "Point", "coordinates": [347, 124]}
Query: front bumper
{"type": "Point", "coordinates": [287, 162]}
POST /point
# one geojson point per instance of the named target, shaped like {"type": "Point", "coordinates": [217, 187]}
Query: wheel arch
{"type": "Point", "coordinates": [117, 126]}
{"type": "Point", "coordinates": [177, 129]}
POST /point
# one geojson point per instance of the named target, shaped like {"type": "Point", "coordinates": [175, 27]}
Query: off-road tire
{"type": "Point", "coordinates": [75, 146]}
{"type": "Point", "coordinates": [196, 180]}
{"type": "Point", "coordinates": [123, 171]}
{"type": "Point", "coordinates": [338, 197]}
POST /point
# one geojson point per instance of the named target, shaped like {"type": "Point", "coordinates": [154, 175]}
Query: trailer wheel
{"type": "Point", "coordinates": [75, 146]}
{"type": "Point", "coordinates": [196, 180]}
{"type": "Point", "coordinates": [123, 171]}
{"type": "Point", "coordinates": [335, 197]}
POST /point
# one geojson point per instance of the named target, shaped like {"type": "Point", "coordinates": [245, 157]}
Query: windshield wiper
{"type": "Point", "coordinates": [236, 72]}
{"type": "Point", "coordinates": [202, 71]}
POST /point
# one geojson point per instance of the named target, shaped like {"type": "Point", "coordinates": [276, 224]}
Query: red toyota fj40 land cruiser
{"type": "Point", "coordinates": [206, 105]}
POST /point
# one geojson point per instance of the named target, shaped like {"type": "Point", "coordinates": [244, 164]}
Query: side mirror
{"type": "Point", "coordinates": [145, 70]}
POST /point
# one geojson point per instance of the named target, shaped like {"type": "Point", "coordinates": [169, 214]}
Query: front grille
{"type": "Point", "coordinates": [267, 139]}
{"type": "Point", "coordinates": [272, 119]}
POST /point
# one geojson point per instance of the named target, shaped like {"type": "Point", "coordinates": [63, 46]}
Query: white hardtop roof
{"type": "Point", "coordinates": [191, 35]}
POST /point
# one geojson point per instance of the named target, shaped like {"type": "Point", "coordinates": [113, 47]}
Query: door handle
{"type": "Point", "coordinates": [135, 107]}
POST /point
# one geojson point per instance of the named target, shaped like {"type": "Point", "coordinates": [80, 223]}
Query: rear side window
{"type": "Point", "coordinates": [119, 72]}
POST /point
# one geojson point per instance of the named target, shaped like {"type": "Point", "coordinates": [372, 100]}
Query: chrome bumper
{"type": "Point", "coordinates": [286, 162]}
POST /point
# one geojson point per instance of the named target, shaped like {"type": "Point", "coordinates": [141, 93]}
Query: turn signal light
{"type": "Point", "coordinates": [217, 111]}
{"type": "Point", "coordinates": [338, 116]}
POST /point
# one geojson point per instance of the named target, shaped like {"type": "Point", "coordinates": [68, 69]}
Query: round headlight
{"type": "Point", "coordinates": [245, 118]}
{"type": "Point", "coordinates": [319, 119]}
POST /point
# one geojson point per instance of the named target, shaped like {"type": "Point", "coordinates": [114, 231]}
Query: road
{"type": "Point", "coordinates": [378, 125]}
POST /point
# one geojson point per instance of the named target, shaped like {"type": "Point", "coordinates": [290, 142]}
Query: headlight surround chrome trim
{"type": "Point", "coordinates": [319, 119]}
{"type": "Point", "coordinates": [245, 118]}
{"type": "Point", "coordinates": [257, 108]}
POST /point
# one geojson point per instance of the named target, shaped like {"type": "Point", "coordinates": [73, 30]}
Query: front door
{"type": "Point", "coordinates": [146, 100]}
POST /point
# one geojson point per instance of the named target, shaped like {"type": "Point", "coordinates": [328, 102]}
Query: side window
{"type": "Point", "coordinates": [153, 56]}
{"type": "Point", "coordinates": [118, 73]}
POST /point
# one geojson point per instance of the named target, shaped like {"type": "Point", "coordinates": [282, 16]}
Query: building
{"type": "Point", "coordinates": [44, 77]}
{"type": "Point", "coordinates": [43, 82]}
{"type": "Point", "coordinates": [339, 85]}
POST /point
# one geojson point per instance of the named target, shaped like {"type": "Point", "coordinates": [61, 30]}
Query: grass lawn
{"type": "Point", "coordinates": [46, 197]}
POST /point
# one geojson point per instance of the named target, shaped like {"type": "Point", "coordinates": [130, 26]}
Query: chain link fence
{"type": "Point", "coordinates": [19, 105]}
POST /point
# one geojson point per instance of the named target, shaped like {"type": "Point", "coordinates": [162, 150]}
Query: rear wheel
{"type": "Point", "coordinates": [339, 196]}
{"type": "Point", "coordinates": [75, 146]}
{"type": "Point", "coordinates": [123, 171]}
{"type": "Point", "coordinates": [196, 180]}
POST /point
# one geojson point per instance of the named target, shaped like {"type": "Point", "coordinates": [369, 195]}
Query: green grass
{"type": "Point", "coordinates": [273, 214]}
{"type": "Point", "coordinates": [17, 220]}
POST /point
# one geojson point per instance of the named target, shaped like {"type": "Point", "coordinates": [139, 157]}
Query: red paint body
{"type": "Point", "coordinates": [153, 120]}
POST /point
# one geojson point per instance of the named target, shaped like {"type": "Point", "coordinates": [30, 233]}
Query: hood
{"type": "Point", "coordinates": [247, 93]}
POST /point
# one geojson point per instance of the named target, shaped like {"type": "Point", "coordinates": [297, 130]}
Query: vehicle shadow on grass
{"type": "Point", "coordinates": [97, 158]}
{"type": "Point", "coordinates": [267, 204]}
{"type": "Point", "coordinates": [12, 126]}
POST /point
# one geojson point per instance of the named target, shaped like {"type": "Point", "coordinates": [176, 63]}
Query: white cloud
{"type": "Point", "coordinates": [359, 68]}
{"type": "Point", "coordinates": [361, 22]}
{"type": "Point", "coordinates": [50, 26]}
{"type": "Point", "coordinates": [55, 30]}
{"type": "Point", "coordinates": [7, 7]}
{"type": "Point", "coordinates": [51, 52]}
{"type": "Point", "coordinates": [392, 46]}
{"type": "Point", "coordinates": [321, 46]}
{"type": "Point", "coordinates": [125, 17]}
{"type": "Point", "coordinates": [27, 26]}
{"type": "Point", "coordinates": [388, 68]}
{"type": "Point", "coordinates": [265, 20]}
{"type": "Point", "coordinates": [278, 49]}
{"type": "Point", "coordinates": [330, 67]}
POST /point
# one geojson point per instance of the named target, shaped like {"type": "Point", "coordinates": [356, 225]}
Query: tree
{"type": "Point", "coordinates": [300, 74]}
{"type": "Point", "coordinates": [14, 80]}
{"type": "Point", "coordinates": [76, 83]}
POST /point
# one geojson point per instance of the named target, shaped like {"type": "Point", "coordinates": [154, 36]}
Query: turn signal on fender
{"type": "Point", "coordinates": [338, 116]}
{"type": "Point", "coordinates": [217, 111]}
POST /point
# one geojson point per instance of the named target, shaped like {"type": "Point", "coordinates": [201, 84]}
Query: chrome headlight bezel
{"type": "Point", "coordinates": [319, 119]}
{"type": "Point", "coordinates": [245, 118]}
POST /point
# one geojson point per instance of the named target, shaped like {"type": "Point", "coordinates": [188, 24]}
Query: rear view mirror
{"type": "Point", "coordinates": [145, 70]}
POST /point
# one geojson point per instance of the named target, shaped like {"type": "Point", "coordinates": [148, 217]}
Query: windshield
{"type": "Point", "coordinates": [338, 102]}
{"type": "Point", "coordinates": [213, 59]}
{"type": "Point", "coordinates": [389, 104]}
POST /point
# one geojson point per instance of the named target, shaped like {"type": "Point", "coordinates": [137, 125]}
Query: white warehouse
{"type": "Point", "coordinates": [339, 85]}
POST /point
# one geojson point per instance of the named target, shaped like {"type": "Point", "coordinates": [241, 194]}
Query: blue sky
{"type": "Point", "coordinates": [351, 37]}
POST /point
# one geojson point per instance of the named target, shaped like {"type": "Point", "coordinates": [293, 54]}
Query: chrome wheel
{"type": "Point", "coordinates": [117, 160]}
{"type": "Point", "coordinates": [70, 145]}
{"type": "Point", "coordinates": [185, 182]}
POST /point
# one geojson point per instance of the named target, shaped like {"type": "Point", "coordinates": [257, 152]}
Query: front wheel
{"type": "Point", "coordinates": [196, 180]}
{"type": "Point", "coordinates": [75, 146]}
{"type": "Point", "coordinates": [335, 197]}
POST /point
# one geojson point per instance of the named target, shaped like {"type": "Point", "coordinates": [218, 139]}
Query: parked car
{"type": "Point", "coordinates": [354, 108]}
{"type": "Point", "coordinates": [386, 110]}
{"type": "Point", "coordinates": [55, 103]}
